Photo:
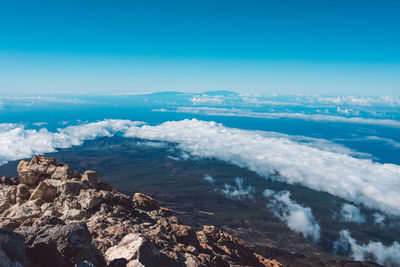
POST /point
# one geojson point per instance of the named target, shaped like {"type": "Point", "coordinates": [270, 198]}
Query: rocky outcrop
{"type": "Point", "coordinates": [62, 218]}
{"type": "Point", "coordinates": [50, 215]}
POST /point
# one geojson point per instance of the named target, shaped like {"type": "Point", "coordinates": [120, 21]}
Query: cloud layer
{"type": "Point", "coordinates": [16, 142]}
{"type": "Point", "coordinates": [334, 171]}
{"type": "Point", "coordinates": [297, 217]}
{"type": "Point", "coordinates": [375, 251]}
{"type": "Point", "coordinates": [357, 180]}
{"type": "Point", "coordinates": [211, 111]}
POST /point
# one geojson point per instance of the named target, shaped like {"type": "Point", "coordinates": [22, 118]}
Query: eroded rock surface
{"type": "Point", "coordinates": [60, 217]}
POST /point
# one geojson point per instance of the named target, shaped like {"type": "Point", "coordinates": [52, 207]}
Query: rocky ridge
{"type": "Point", "coordinates": [51, 215]}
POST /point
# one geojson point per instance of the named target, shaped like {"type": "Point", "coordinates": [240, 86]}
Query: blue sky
{"type": "Point", "coordinates": [326, 47]}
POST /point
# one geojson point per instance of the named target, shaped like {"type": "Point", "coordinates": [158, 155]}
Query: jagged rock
{"type": "Point", "coordinates": [14, 180]}
{"type": "Point", "coordinates": [8, 181]}
{"type": "Point", "coordinates": [135, 250]}
{"type": "Point", "coordinates": [91, 177]}
{"type": "Point", "coordinates": [23, 193]}
{"type": "Point", "coordinates": [44, 191]}
{"type": "Point", "coordinates": [127, 249]}
{"type": "Point", "coordinates": [214, 239]}
{"type": "Point", "coordinates": [145, 202]}
{"type": "Point", "coordinates": [29, 209]}
{"type": "Point", "coordinates": [8, 199]}
{"type": "Point", "coordinates": [90, 199]}
{"type": "Point", "coordinates": [39, 167]}
{"type": "Point", "coordinates": [64, 172]}
{"type": "Point", "coordinates": [12, 252]}
{"type": "Point", "coordinates": [61, 245]}
{"type": "Point", "coordinates": [70, 188]}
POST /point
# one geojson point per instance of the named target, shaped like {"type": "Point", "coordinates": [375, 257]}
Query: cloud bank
{"type": "Point", "coordinates": [16, 142]}
{"type": "Point", "coordinates": [374, 251]}
{"type": "Point", "coordinates": [210, 111]}
{"type": "Point", "coordinates": [297, 217]}
{"type": "Point", "coordinates": [357, 180]}
{"type": "Point", "coordinates": [350, 213]}
{"type": "Point", "coordinates": [338, 173]}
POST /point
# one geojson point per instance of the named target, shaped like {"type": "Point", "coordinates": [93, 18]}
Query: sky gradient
{"type": "Point", "coordinates": [325, 47]}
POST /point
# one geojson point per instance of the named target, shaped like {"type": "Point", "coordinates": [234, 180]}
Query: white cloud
{"type": "Point", "coordinates": [39, 123]}
{"type": "Point", "coordinates": [374, 251]}
{"type": "Point", "coordinates": [357, 180]}
{"type": "Point", "coordinates": [297, 217]}
{"type": "Point", "coordinates": [309, 117]}
{"type": "Point", "coordinates": [268, 193]}
{"type": "Point", "coordinates": [206, 99]}
{"type": "Point", "coordinates": [209, 179]}
{"type": "Point", "coordinates": [16, 142]}
{"type": "Point", "coordinates": [393, 101]}
{"type": "Point", "coordinates": [379, 218]}
{"type": "Point", "coordinates": [173, 158]}
{"type": "Point", "coordinates": [350, 213]}
{"type": "Point", "coordinates": [237, 191]}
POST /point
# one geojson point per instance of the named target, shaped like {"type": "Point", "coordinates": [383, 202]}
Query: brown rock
{"type": "Point", "coordinates": [5, 180]}
{"type": "Point", "coordinates": [29, 209]}
{"type": "Point", "coordinates": [71, 188]}
{"type": "Point", "coordinates": [22, 165]}
{"type": "Point", "coordinates": [91, 202]}
{"type": "Point", "coordinates": [23, 193]}
{"type": "Point", "coordinates": [145, 202]}
{"type": "Point", "coordinates": [38, 168]}
{"type": "Point", "coordinates": [91, 177]}
{"type": "Point", "coordinates": [28, 177]}
{"type": "Point", "coordinates": [44, 191]}
{"type": "Point", "coordinates": [14, 180]}
{"type": "Point", "coordinates": [8, 199]}
{"type": "Point", "coordinates": [64, 172]}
